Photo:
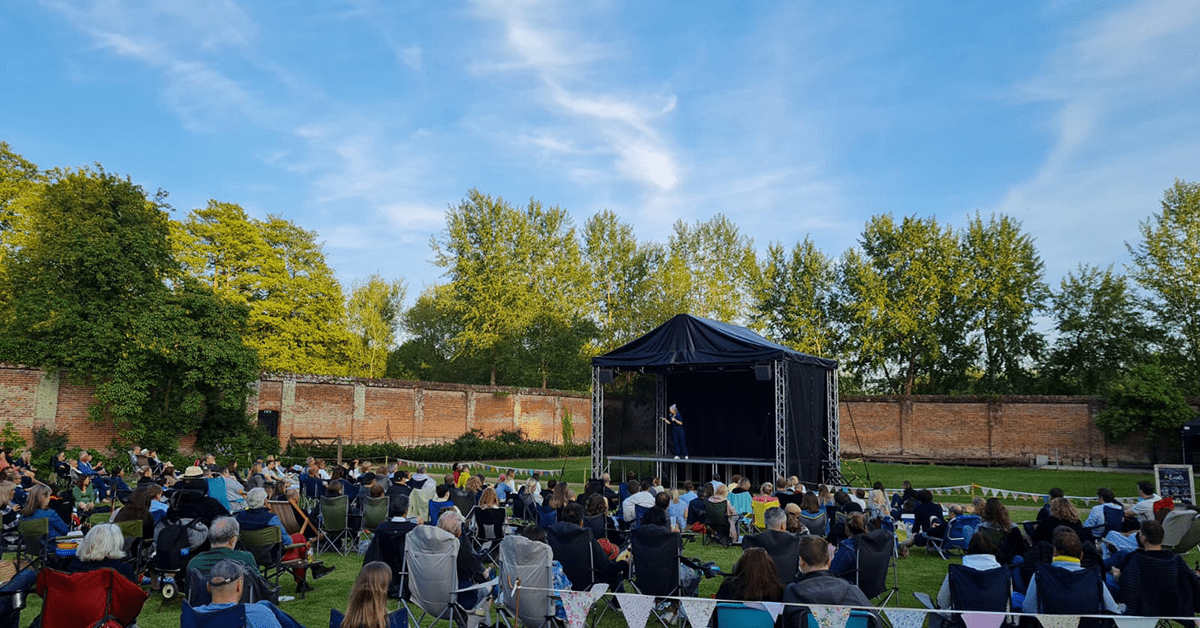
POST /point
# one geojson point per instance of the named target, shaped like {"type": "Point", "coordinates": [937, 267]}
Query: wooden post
{"type": "Point", "coordinates": [339, 441]}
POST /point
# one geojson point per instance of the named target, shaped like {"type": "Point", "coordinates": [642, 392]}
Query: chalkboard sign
{"type": "Point", "coordinates": [1176, 481]}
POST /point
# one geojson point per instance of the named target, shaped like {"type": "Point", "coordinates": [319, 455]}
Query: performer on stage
{"type": "Point", "coordinates": [678, 441]}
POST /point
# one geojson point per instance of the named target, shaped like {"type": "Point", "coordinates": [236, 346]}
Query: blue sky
{"type": "Point", "coordinates": [365, 119]}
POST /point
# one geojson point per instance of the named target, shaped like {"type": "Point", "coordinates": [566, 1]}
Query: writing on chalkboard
{"type": "Point", "coordinates": [1176, 481]}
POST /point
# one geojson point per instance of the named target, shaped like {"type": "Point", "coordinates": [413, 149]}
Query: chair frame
{"type": "Point", "coordinates": [338, 541]}
{"type": "Point", "coordinates": [262, 543]}
{"type": "Point", "coordinates": [33, 531]}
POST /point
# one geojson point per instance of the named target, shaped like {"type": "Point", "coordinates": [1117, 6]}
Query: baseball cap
{"type": "Point", "coordinates": [224, 572]}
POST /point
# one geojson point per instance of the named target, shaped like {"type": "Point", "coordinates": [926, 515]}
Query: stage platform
{"type": "Point", "coordinates": [674, 472]}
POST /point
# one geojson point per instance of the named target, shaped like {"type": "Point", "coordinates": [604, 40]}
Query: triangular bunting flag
{"type": "Point", "coordinates": [699, 610]}
{"type": "Point", "coordinates": [1059, 621]}
{"type": "Point", "coordinates": [983, 620]}
{"type": "Point", "coordinates": [774, 608]}
{"type": "Point", "coordinates": [1136, 622]}
{"type": "Point", "coordinates": [576, 604]}
{"type": "Point", "coordinates": [831, 616]}
{"type": "Point", "coordinates": [905, 618]}
{"type": "Point", "coordinates": [636, 608]}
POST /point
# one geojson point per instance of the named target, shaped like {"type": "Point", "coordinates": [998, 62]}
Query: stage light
{"type": "Point", "coordinates": [607, 375]}
{"type": "Point", "coordinates": [762, 372]}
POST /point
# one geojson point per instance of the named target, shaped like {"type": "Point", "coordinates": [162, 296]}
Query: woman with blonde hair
{"type": "Point", "coordinates": [368, 599]}
{"type": "Point", "coordinates": [824, 497]}
{"type": "Point", "coordinates": [1062, 513]}
{"type": "Point", "coordinates": [474, 486]}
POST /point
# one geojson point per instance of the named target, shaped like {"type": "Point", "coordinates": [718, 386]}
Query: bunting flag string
{"type": "Point", "coordinates": [576, 604]}
{"type": "Point", "coordinates": [1136, 622]}
{"type": "Point", "coordinates": [477, 465]}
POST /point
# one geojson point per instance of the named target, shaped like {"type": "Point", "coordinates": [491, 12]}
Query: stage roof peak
{"type": "Point", "coordinates": [692, 340]}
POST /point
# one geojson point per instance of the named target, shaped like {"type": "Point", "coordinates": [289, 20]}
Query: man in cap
{"type": "Point", "coordinates": [226, 580]}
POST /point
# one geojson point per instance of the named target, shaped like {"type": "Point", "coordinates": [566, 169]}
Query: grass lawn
{"type": "Point", "coordinates": [919, 572]}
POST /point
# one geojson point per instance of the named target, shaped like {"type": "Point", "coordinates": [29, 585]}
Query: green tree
{"type": "Point", "coordinates": [794, 299]}
{"type": "Point", "coordinates": [900, 305]}
{"type": "Point", "coordinates": [428, 354]}
{"type": "Point", "coordinates": [711, 270]}
{"type": "Point", "coordinates": [95, 292]}
{"type": "Point", "coordinates": [506, 265]}
{"type": "Point", "coordinates": [18, 178]}
{"type": "Point", "coordinates": [1166, 263]}
{"type": "Point", "coordinates": [374, 310]}
{"type": "Point", "coordinates": [1004, 292]}
{"type": "Point", "coordinates": [1145, 401]}
{"type": "Point", "coordinates": [628, 294]}
{"type": "Point", "coordinates": [1101, 333]}
{"type": "Point", "coordinates": [276, 268]}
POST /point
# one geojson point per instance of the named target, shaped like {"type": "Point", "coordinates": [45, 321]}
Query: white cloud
{"type": "Point", "coordinates": [1123, 92]}
{"type": "Point", "coordinates": [622, 125]}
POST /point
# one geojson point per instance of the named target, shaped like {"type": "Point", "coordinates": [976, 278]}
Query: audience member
{"type": "Point", "coordinates": [818, 585]}
{"type": "Point", "coordinates": [642, 497]}
{"type": "Point", "coordinates": [1108, 503]}
{"type": "Point", "coordinates": [1045, 510]}
{"type": "Point", "coordinates": [37, 506]}
{"type": "Point", "coordinates": [721, 497]}
{"type": "Point", "coordinates": [927, 522]}
{"type": "Point", "coordinates": [1062, 514]}
{"type": "Point", "coordinates": [471, 570]}
{"type": "Point", "coordinates": [605, 569]}
{"type": "Point", "coordinates": [754, 579]}
{"type": "Point", "coordinates": [980, 556]}
{"type": "Point", "coordinates": [845, 561]}
{"type": "Point", "coordinates": [222, 538]}
{"type": "Point", "coordinates": [560, 581]}
{"type": "Point", "coordinates": [1067, 552]}
{"type": "Point", "coordinates": [367, 607]}
{"type": "Point", "coordinates": [225, 582]}
{"type": "Point", "coordinates": [1147, 498]}
{"type": "Point", "coordinates": [1157, 582]}
{"type": "Point", "coordinates": [103, 547]}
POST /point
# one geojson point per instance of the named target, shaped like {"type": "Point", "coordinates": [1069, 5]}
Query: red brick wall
{"type": "Point", "coordinates": [1002, 430]}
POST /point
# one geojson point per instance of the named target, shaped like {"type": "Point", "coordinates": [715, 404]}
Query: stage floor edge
{"type": "Point", "coordinates": [757, 462]}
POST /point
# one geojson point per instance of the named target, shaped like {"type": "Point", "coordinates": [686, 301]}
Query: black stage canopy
{"type": "Point", "coordinates": [741, 396]}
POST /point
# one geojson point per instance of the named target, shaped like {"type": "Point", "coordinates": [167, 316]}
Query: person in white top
{"type": "Point", "coordinates": [1144, 509]}
{"type": "Point", "coordinates": [644, 497]}
{"type": "Point", "coordinates": [981, 556]}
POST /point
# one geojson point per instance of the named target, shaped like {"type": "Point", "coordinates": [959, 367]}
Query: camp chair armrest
{"type": "Point", "coordinates": [291, 546]}
{"type": "Point", "coordinates": [482, 585]}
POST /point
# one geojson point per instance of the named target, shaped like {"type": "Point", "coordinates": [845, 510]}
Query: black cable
{"type": "Point", "coordinates": [862, 456]}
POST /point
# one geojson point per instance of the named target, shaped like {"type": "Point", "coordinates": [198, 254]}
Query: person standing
{"type": "Point", "coordinates": [678, 439]}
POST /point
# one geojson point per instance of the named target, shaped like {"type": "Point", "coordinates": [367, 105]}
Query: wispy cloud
{"type": "Point", "coordinates": [1120, 84]}
{"type": "Point", "coordinates": [623, 125]}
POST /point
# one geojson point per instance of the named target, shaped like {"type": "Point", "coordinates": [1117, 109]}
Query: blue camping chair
{"type": "Point", "coordinates": [435, 510]}
{"type": "Point", "coordinates": [216, 490]}
{"type": "Point", "coordinates": [638, 513]}
{"type": "Point", "coordinates": [959, 531]}
{"type": "Point", "coordinates": [742, 616]}
{"type": "Point", "coordinates": [232, 617]}
{"type": "Point", "coordinates": [546, 516]}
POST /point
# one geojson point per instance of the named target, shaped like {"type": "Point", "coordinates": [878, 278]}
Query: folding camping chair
{"type": "Point", "coordinates": [742, 616]}
{"type": "Point", "coordinates": [787, 558]}
{"type": "Point", "coordinates": [988, 590]}
{"type": "Point", "coordinates": [375, 512]}
{"type": "Point", "coordinates": [716, 526]}
{"type": "Point", "coordinates": [334, 523]}
{"type": "Point", "coordinates": [526, 582]}
{"type": "Point", "coordinates": [85, 599]}
{"type": "Point", "coordinates": [431, 575]}
{"type": "Point", "coordinates": [35, 546]}
{"type": "Point", "coordinates": [292, 517]}
{"type": "Point", "coordinates": [656, 554]}
{"type": "Point", "coordinates": [817, 524]}
{"type": "Point", "coordinates": [572, 547]}
{"type": "Point", "coordinates": [268, 547]}
{"type": "Point", "coordinates": [488, 526]}
{"type": "Point", "coordinates": [959, 531]}
{"type": "Point", "coordinates": [875, 557]}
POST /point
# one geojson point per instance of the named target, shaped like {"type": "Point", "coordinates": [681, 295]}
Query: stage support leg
{"type": "Point", "coordinates": [833, 458]}
{"type": "Point", "coordinates": [781, 419]}
{"type": "Point", "coordinates": [660, 428]}
{"type": "Point", "coordinates": [597, 424]}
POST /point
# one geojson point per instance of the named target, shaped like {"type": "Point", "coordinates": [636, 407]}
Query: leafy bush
{"type": "Point", "coordinates": [472, 445]}
{"type": "Point", "coordinates": [10, 438]}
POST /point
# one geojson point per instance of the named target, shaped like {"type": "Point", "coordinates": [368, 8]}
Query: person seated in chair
{"type": "Point", "coordinates": [1108, 503]}
{"type": "Point", "coordinates": [1067, 552]}
{"type": "Point", "coordinates": [257, 516]}
{"type": "Point", "coordinates": [399, 485]}
{"type": "Point", "coordinates": [1062, 513]}
{"type": "Point", "coordinates": [927, 522]}
{"type": "Point", "coordinates": [697, 512]}
{"type": "Point", "coordinates": [775, 538]}
{"type": "Point", "coordinates": [37, 506]}
{"type": "Point", "coordinates": [642, 497]}
{"type": "Point", "coordinates": [1147, 498]}
{"type": "Point", "coordinates": [222, 538]}
{"type": "Point", "coordinates": [818, 585]}
{"type": "Point", "coordinates": [845, 561]}
{"type": "Point", "coordinates": [754, 578]}
{"type": "Point", "coordinates": [1054, 494]}
{"type": "Point", "coordinates": [471, 570]}
{"type": "Point", "coordinates": [1157, 582]}
{"type": "Point", "coordinates": [225, 582]}
{"type": "Point", "coordinates": [102, 548]}
{"type": "Point", "coordinates": [605, 569]}
{"type": "Point", "coordinates": [981, 556]}
{"type": "Point", "coordinates": [441, 504]}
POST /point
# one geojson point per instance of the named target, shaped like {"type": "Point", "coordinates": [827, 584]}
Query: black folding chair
{"type": "Point", "coordinates": [489, 530]}
{"type": "Point", "coordinates": [268, 547]}
{"type": "Point", "coordinates": [656, 554]}
{"type": "Point", "coordinates": [875, 557]}
{"type": "Point", "coordinates": [784, 549]}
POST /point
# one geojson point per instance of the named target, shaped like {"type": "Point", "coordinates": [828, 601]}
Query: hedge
{"type": "Point", "coordinates": [505, 445]}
